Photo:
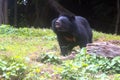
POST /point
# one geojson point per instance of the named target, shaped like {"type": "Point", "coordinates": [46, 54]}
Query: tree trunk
{"type": "Point", "coordinates": [15, 13]}
{"type": "Point", "coordinates": [6, 11]}
{"type": "Point", "coordinates": [59, 8]}
{"type": "Point", "coordinates": [3, 12]}
{"type": "Point", "coordinates": [118, 17]}
{"type": "Point", "coordinates": [36, 23]}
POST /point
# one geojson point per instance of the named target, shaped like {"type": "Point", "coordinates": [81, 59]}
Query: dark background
{"type": "Point", "coordinates": [101, 14]}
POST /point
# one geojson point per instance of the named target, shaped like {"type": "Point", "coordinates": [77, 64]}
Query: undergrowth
{"type": "Point", "coordinates": [33, 54]}
{"type": "Point", "coordinates": [85, 66]}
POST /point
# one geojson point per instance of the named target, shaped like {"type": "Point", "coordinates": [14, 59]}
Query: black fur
{"type": "Point", "coordinates": [71, 31]}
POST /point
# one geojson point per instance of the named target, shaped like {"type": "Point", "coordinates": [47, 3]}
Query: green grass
{"type": "Point", "coordinates": [104, 36]}
{"type": "Point", "coordinates": [23, 41]}
{"type": "Point", "coordinates": [23, 44]}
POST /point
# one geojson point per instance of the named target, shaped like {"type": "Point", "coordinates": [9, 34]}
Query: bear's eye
{"type": "Point", "coordinates": [65, 21]}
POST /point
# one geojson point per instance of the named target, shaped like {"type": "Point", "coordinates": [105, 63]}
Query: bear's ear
{"type": "Point", "coordinates": [71, 18]}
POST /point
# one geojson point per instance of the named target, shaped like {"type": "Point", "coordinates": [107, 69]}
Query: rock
{"type": "Point", "coordinates": [105, 49]}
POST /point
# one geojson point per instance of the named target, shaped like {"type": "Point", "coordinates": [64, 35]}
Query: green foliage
{"type": "Point", "coordinates": [36, 73]}
{"type": "Point", "coordinates": [27, 32]}
{"type": "Point", "coordinates": [12, 70]}
{"type": "Point", "coordinates": [104, 37]}
{"type": "Point", "coordinates": [84, 65]}
{"type": "Point", "coordinates": [49, 58]}
{"type": "Point", "coordinates": [18, 43]}
{"type": "Point", "coordinates": [21, 41]}
{"type": "Point", "coordinates": [7, 29]}
{"type": "Point", "coordinates": [102, 64]}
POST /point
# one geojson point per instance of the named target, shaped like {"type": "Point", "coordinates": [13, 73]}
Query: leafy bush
{"type": "Point", "coordinates": [39, 72]}
{"type": "Point", "coordinates": [28, 32]}
{"type": "Point", "coordinates": [12, 70]}
{"type": "Point", "coordinates": [18, 43]}
{"type": "Point", "coordinates": [7, 29]}
{"type": "Point", "coordinates": [49, 58]}
{"type": "Point", "coordinates": [85, 65]}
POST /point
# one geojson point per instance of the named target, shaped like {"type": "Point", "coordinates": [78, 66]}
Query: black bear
{"type": "Point", "coordinates": [71, 31]}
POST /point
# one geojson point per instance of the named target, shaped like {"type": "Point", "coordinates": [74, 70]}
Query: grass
{"type": "Point", "coordinates": [24, 44]}
{"type": "Point", "coordinates": [104, 37]}
{"type": "Point", "coordinates": [23, 41]}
